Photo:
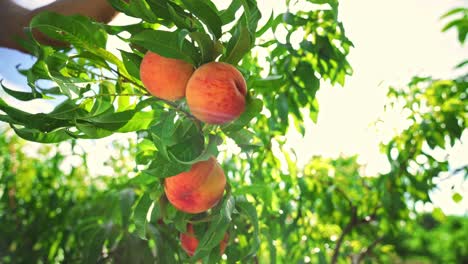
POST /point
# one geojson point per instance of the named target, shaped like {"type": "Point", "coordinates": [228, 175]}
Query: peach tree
{"type": "Point", "coordinates": [99, 93]}
{"type": "Point", "coordinates": [203, 188]}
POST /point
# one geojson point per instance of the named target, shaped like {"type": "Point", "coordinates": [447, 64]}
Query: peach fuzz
{"type": "Point", "coordinates": [216, 93]}
{"type": "Point", "coordinates": [190, 242]}
{"type": "Point", "coordinates": [198, 189]}
{"type": "Point", "coordinates": [165, 78]}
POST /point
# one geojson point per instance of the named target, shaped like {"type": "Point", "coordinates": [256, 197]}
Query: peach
{"type": "Point", "coordinates": [216, 93]}
{"type": "Point", "coordinates": [165, 78]}
{"type": "Point", "coordinates": [198, 189]}
{"type": "Point", "coordinates": [190, 242]}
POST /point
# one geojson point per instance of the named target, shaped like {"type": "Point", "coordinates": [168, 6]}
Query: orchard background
{"type": "Point", "coordinates": [329, 210]}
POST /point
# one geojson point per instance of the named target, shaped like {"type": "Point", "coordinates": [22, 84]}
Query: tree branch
{"type": "Point", "coordinates": [366, 251]}
{"type": "Point", "coordinates": [346, 230]}
{"type": "Point", "coordinates": [354, 222]}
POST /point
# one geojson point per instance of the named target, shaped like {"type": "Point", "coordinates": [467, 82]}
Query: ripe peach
{"type": "Point", "coordinates": [216, 93]}
{"type": "Point", "coordinates": [198, 189]}
{"type": "Point", "coordinates": [190, 242]}
{"type": "Point", "coordinates": [165, 78]}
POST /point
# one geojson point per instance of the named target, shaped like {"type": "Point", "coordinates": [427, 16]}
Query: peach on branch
{"type": "Point", "coordinates": [190, 242]}
{"type": "Point", "coordinates": [198, 189]}
{"type": "Point", "coordinates": [165, 78]}
{"type": "Point", "coordinates": [216, 93]}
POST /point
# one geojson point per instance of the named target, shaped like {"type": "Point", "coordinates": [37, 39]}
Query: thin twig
{"type": "Point", "coordinates": [366, 251]}
{"type": "Point", "coordinates": [352, 223]}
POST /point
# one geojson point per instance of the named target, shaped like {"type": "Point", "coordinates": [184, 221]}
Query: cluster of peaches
{"type": "Point", "coordinates": [215, 94]}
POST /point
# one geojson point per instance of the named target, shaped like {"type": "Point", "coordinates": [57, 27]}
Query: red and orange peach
{"type": "Point", "coordinates": [165, 78]}
{"type": "Point", "coordinates": [198, 189]}
{"type": "Point", "coordinates": [216, 93]}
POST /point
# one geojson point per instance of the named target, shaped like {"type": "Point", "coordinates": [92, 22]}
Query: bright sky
{"type": "Point", "coordinates": [393, 40]}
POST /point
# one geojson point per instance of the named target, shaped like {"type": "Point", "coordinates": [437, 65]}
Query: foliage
{"type": "Point", "coordinates": [273, 211]}
{"type": "Point", "coordinates": [434, 241]}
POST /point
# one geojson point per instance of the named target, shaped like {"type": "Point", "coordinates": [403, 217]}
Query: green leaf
{"type": "Point", "coordinates": [438, 214]}
{"type": "Point", "coordinates": [94, 248]}
{"type": "Point", "coordinates": [23, 96]}
{"type": "Point", "coordinates": [139, 121]}
{"type": "Point", "coordinates": [455, 11]}
{"type": "Point", "coordinates": [135, 8]}
{"type": "Point", "coordinates": [125, 121]}
{"type": "Point", "coordinates": [132, 63]}
{"type": "Point", "coordinates": [229, 14]}
{"type": "Point", "coordinates": [207, 14]}
{"type": "Point", "coordinates": [268, 25]}
{"type": "Point", "coordinates": [245, 139]}
{"type": "Point", "coordinates": [189, 146]}
{"type": "Point", "coordinates": [249, 211]}
{"type": "Point", "coordinates": [210, 150]}
{"type": "Point", "coordinates": [271, 82]}
{"type": "Point", "coordinates": [42, 137]}
{"type": "Point", "coordinates": [304, 71]}
{"type": "Point", "coordinates": [97, 60]}
{"type": "Point", "coordinates": [238, 45]}
{"type": "Point", "coordinates": [261, 191]}
{"type": "Point", "coordinates": [462, 64]}
{"type": "Point", "coordinates": [142, 180]}
{"type": "Point", "coordinates": [40, 121]}
{"type": "Point", "coordinates": [180, 221]}
{"type": "Point", "coordinates": [252, 15]}
{"type": "Point", "coordinates": [182, 19]}
{"type": "Point", "coordinates": [217, 228]}
{"type": "Point", "coordinates": [162, 168]}
{"type": "Point", "coordinates": [456, 197]}
{"type": "Point", "coordinates": [140, 213]}
{"type": "Point", "coordinates": [127, 197]}
{"type": "Point", "coordinates": [282, 108]}
{"type": "Point", "coordinates": [166, 44]}
{"type": "Point", "coordinates": [77, 30]}
{"type": "Point", "coordinates": [162, 133]}
{"type": "Point", "coordinates": [205, 45]}
{"type": "Point", "coordinates": [91, 131]}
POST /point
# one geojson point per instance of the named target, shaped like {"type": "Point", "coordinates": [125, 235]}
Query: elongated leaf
{"type": "Point", "coordinates": [127, 197]}
{"type": "Point", "coordinates": [77, 30]}
{"type": "Point", "coordinates": [23, 96]}
{"type": "Point", "coordinates": [210, 150]}
{"type": "Point", "coordinates": [41, 122]}
{"type": "Point", "coordinates": [268, 25]}
{"type": "Point", "coordinates": [91, 131]}
{"type": "Point", "coordinates": [139, 121]}
{"type": "Point", "coordinates": [229, 14]}
{"type": "Point", "coordinates": [166, 44]}
{"type": "Point", "coordinates": [135, 8]}
{"type": "Point", "coordinates": [207, 13]}
{"type": "Point", "coordinates": [188, 146]}
{"type": "Point", "coordinates": [249, 211]}
{"type": "Point", "coordinates": [205, 45]}
{"type": "Point", "coordinates": [217, 228]}
{"type": "Point", "coordinates": [140, 213]}
{"type": "Point", "coordinates": [245, 139]}
{"type": "Point", "coordinates": [238, 45]}
{"type": "Point", "coordinates": [125, 121]}
{"type": "Point", "coordinates": [42, 137]}
{"type": "Point", "coordinates": [132, 63]}
{"type": "Point", "coordinates": [162, 168]}
{"type": "Point", "coordinates": [456, 197]}
{"type": "Point", "coordinates": [252, 15]}
{"type": "Point", "coordinates": [263, 192]}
